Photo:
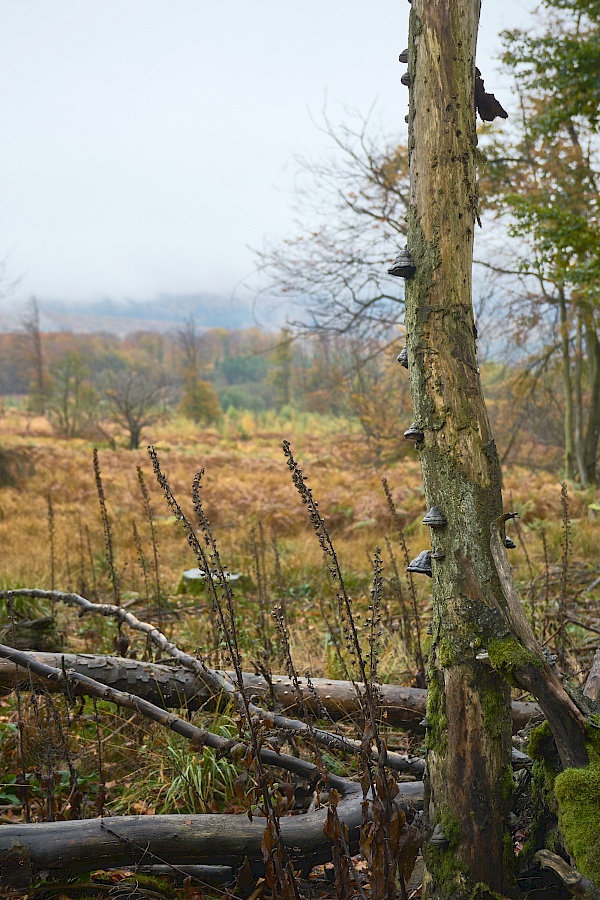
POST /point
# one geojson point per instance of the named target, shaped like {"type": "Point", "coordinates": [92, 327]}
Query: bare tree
{"type": "Point", "coordinates": [187, 338]}
{"type": "Point", "coordinates": [30, 322]}
{"type": "Point", "coordinates": [481, 640]}
{"type": "Point", "coordinates": [136, 396]}
{"type": "Point", "coordinates": [334, 271]}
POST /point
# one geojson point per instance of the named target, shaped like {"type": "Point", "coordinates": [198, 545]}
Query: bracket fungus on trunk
{"type": "Point", "coordinates": [403, 265]}
{"type": "Point", "coordinates": [414, 433]}
{"type": "Point", "coordinates": [421, 564]}
{"type": "Point", "coordinates": [435, 518]}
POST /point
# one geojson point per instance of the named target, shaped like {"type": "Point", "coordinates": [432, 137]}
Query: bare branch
{"type": "Point", "coordinates": [217, 681]}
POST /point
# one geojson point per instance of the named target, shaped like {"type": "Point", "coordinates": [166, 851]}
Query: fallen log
{"type": "Point", "coordinates": [63, 849]}
{"type": "Point", "coordinates": [70, 681]}
{"type": "Point", "coordinates": [173, 686]}
{"type": "Point", "coordinates": [220, 683]}
{"type": "Point", "coordinates": [75, 685]}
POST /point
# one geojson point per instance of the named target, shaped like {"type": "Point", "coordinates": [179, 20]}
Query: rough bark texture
{"type": "Point", "coordinates": [567, 386]}
{"type": "Point", "coordinates": [468, 705]}
{"type": "Point", "coordinates": [171, 687]}
{"type": "Point", "coordinates": [593, 428]}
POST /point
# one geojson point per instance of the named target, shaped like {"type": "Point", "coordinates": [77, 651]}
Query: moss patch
{"type": "Point", "coordinates": [578, 794]}
{"type": "Point", "coordinates": [443, 864]}
{"type": "Point", "coordinates": [507, 654]}
{"type": "Point", "coordinates": [507, 785]}
{"type": "Point", "coordinates": [445, 653]}
{"type": "Point", "coordinates": [538, 741]}
{"type": "Point", "coordinates": [574, 794]}
{"type": "Point", "coordinates": [495, 710]}
{"type": "Point", "coordinates": [437, 730]}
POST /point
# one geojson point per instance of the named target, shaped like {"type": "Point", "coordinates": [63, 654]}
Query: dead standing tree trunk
{"type": "Point", "coordinates": [481, 639]}
{"type": "Point", "coordinates": [469, 703]}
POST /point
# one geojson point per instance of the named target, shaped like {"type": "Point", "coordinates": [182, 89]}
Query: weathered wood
{"type": "Point", "coordinates": [469, 702]}
{"type": "Point", "coordinates": [74, 684]}
{"type": "Point", "coordinates": [173, 687]}
{"type": "Point", "coordinates": [573, 880]}
{"type": "Point", "coordinates": [534, 672]}
{"type": "Point", "coordinates": [68, 848]}
{"type": "Point", "coordinates": [218, 681]}
{"type": "Point", "coordinates": [592, 684]}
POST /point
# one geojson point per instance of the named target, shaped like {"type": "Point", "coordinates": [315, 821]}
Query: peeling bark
{"type": "Point", "coordinates": [172, 687]}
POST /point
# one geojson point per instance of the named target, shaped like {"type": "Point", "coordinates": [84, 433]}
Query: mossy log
{"type": "Point", "coordinates": [172, 687]}
{"type": "Point", "coordinates": [32, 634]}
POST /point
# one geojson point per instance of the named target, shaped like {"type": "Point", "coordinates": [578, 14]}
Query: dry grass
{"type": "Point", "coordinates": [246, 483]}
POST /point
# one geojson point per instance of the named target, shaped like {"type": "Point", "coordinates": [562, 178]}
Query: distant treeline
{"type": "Point", "coordinates": [79, 379]}
{"type": "Point", "coordinates": [248, 369]}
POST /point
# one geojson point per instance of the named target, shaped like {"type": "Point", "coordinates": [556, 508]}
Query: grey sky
{"type": "Point", "coordinates": [146, 143]}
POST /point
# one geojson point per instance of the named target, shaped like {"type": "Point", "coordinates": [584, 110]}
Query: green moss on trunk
{"type": "Point", "coordinates": [507, 654]}
{"type": "Point", "coordinates": [577, 792]}
{"type": "Point", "coordinates": [437, 727]}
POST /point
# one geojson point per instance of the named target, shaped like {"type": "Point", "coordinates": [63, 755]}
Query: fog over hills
{"type": "Point", "coordinates": [162, 313]}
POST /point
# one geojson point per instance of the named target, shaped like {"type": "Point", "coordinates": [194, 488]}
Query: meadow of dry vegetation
{"type": "Point", "coordinates": [262, 530]}
{"type": "Point", "coordinates": [249, 498]}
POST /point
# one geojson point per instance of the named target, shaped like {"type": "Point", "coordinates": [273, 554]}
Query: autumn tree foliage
{"type": "Point", "coordinates": [542, 181]}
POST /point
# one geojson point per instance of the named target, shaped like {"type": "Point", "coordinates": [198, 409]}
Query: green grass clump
{"type": "Point", "coordinates": [172, 779]}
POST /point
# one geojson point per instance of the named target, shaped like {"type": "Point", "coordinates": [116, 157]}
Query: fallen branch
{"type": "Point", "coordinates": [65, 848]}
{"type": "Point", "coordinates": [220, 683]}
{"type": "Point", "coordinates": [173, 686]}
{"type": "Point", "coordinates": [566, 721]}
{"type": "Point", "coordinates": [73, 684]}
{"type": "Point", "coordinates": [573, 880]}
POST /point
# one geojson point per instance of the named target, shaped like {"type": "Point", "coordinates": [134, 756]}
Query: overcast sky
{"type": "Point", "coordinates": [146, 144]}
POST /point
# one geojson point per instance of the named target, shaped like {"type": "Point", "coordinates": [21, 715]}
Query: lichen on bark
{"type": "Point", "coordinates": [468, 715]}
